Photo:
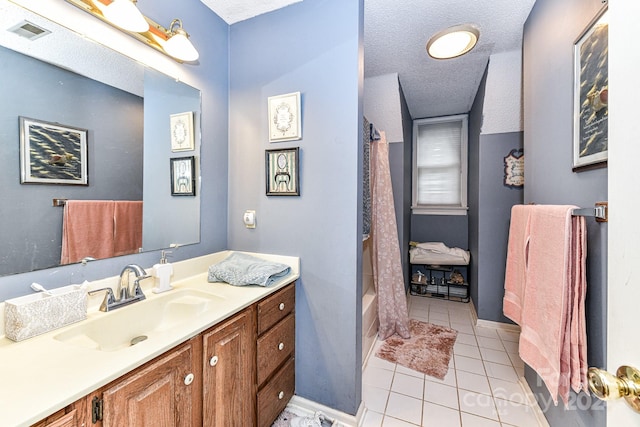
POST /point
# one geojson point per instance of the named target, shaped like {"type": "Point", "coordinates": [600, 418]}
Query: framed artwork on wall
{"type": "Point", "coordinates": [591, 93]}
{"type": "Point", "coordinates": [183, 181]}
{"type": "Point", "coordinates": [182, 138]}
{"type": "Point", "coordinates": [282, 172]}
{"type": "Point", "coordinates": [514, 169]}
{"type": "Point", "coordinates": [51, 153]}
{"type": "Point", "coordinates": [284, 117]}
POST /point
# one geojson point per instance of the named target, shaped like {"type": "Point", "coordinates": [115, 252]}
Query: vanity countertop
{"type": "Point", "coordinates": [42, 375]}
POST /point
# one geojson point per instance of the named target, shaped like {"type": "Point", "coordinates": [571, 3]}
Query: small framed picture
{"type": "Point", "coordinates": [282, 172]}
{"type": "Point", "coordinates": [182, 138]}
{"type": "Point", "coordinates": [284, 117]}
{"type": "Point", "coordinates": [591, 95]}
{"type": "Point", "coordinates": [51, 153]}
{"type": "Point", "coordinates": [183, 181]}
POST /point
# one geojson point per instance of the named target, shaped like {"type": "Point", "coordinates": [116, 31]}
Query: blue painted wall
{"type": "Point", "coordinates": [473, 182]}
{"type": "Point", "coordinates": [494, 213]}
{"type": "Point", "coordinates": [490, 205]}
{"type": "Point", "coordinates": [210, 35]}
{"type": "Point", "coordinates": [314, 47]}
{"type": "Point", "coordinates": [549, 34]}
{"type": "Point", "coordinates": [452, 230]}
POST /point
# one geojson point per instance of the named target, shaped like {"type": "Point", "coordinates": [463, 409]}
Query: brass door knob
{"type": "Point", "coordinates": [626, 383]}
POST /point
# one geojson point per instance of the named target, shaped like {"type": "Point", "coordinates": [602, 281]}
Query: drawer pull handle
{"type": "Point", "coordinates": [189, 379]}
{"type": "Point", "coordinates": [280, 395]}
{"type": "Point", "coordinates": [213, 361]}
{"type": "Point", "coordinates": [281, 346]}
{"type": "Point", "coordinates": [281, 306]}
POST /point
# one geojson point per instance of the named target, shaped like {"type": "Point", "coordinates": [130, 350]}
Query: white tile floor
{"type": "Point", "coordinates": [481, 388]}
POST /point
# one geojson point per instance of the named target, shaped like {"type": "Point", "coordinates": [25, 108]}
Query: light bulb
{"type": "Point", "coordinates": [180, 47]}
{"type": "Point", "coordinates": [125, 14]}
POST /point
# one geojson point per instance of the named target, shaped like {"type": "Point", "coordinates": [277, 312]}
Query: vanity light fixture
{"type": "Point", "coordinates": [123, 14]}
{"type": "Point", "coordinates": [453, 41]}
{"type": "Point", "coordinates": [178, 45]}
{"type": "Point", "coordinates": [173, 41]}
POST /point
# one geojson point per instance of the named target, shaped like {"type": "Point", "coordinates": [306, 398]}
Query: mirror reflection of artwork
{"type": "Point", "coordinates": [284, 117]}
{"type": "Point", "coordinates": [591, 93]}
{"type": "Point", "coordinates": [282, 172]}
{"type": "Point", "coordinates": [182, 176]}
{"type": "Point", "coordinates": [51, 153]}
{"type": "Point", "coordinates": [182, 132]}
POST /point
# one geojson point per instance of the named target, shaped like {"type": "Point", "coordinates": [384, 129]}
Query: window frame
{"type": "Point", "coordinates": [423, 209]}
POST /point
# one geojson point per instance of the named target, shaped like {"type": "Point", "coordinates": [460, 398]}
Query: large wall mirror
{"type": "Point", "coordinates": [125, 110]}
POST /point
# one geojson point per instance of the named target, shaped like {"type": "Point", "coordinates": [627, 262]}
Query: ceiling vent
{"type": "Point", "coordinates": [28, 30]}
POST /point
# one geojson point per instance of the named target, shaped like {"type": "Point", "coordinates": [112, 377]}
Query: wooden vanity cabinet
{"type": "Point", "coordinates": [67, 417]}
{"type": "Point", "coordinates": [238, 373]}
{"type": "Point", "coordinates": [275, 354]}
{"type": "Point", "coordinates": [228, 372]}
{"type": "Point", "coordinates": [164, 392]}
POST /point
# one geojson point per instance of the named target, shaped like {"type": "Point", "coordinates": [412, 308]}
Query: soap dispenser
{"type": "Point", "coordinates": [162, 273]}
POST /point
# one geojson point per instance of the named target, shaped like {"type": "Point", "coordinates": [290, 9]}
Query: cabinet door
{"type": "Point", "coordinates": [163, 393]}
{"type": "Point", "coordinates": [229, 372]}
{"type": "Point", "coordinates": [63, 418]}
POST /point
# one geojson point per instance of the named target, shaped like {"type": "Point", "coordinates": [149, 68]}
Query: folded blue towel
{"type": "Point", "coordinates": [241, 269]}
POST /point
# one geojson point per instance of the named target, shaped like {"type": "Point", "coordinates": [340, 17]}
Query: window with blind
{"type": "Point", "coordinates": [440, 166]}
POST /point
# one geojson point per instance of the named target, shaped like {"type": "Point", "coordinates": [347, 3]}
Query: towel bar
{"type": "Point", "coordinates": [600, 211]}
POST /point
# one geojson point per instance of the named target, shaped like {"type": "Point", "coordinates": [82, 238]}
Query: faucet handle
{"type": "Point", "coordinates": [109, 298]}
{"type": "Point", "coordinates": [137, 290]}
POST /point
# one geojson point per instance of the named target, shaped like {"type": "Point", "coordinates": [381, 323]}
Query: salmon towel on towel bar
{"type": "Point", "coordinates": [545, 288]}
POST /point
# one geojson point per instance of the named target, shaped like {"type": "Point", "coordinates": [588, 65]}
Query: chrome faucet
{"type": "Point", "coordinates": [127, 292]}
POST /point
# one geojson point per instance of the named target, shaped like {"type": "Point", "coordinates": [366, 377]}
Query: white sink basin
{"type": "Point", "coordinates": [121, 327]}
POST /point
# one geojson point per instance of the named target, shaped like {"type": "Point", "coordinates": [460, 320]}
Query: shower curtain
{"type": "Point", "coordinates": [387, 265]}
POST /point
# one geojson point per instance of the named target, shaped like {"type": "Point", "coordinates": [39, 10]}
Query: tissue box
{"type": "Point", "coordinates": [35, 314]}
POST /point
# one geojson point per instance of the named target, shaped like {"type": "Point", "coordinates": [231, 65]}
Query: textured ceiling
{"type": "Point", "coordinates": [396, 33]}
{"type": "Point", "coordinates": [233, 11]}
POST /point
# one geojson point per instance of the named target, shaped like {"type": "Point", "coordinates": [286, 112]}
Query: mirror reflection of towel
{"type": "Point", "coordinates": [127, 227]}
{"type": "Point", "coordinates": [87, 230]}
{"type": "Point", "coordinates": [100, 229]}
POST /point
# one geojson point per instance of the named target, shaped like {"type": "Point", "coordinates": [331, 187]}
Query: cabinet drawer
{"type": "Point", "coordinates": [275, 307]}
{"type": "Point", "coordinates": [275, 346]}
{"type": "Point", "coordinates": [275, 395]}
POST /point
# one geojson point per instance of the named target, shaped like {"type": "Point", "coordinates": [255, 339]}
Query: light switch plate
{"type": "Point", "coordinates": [249, 219]}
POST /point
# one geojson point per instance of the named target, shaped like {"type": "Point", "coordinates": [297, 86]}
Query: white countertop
{"type": "Point", "coordinates": [41, 375]}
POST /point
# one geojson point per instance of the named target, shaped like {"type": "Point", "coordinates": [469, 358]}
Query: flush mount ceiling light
{"type": "Point", "coordinates": [173, 41]}
{"type": "Point", "coordinates": [453, 41]}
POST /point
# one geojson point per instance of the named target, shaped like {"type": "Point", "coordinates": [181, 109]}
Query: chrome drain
{"type": "Point", "coordinates": [138, 339]}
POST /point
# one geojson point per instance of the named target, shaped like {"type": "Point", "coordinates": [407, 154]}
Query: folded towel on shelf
{"type": "Point", "coordinates": [437, 253]}
{"type": "Point", "coordinates": [240, 269]}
